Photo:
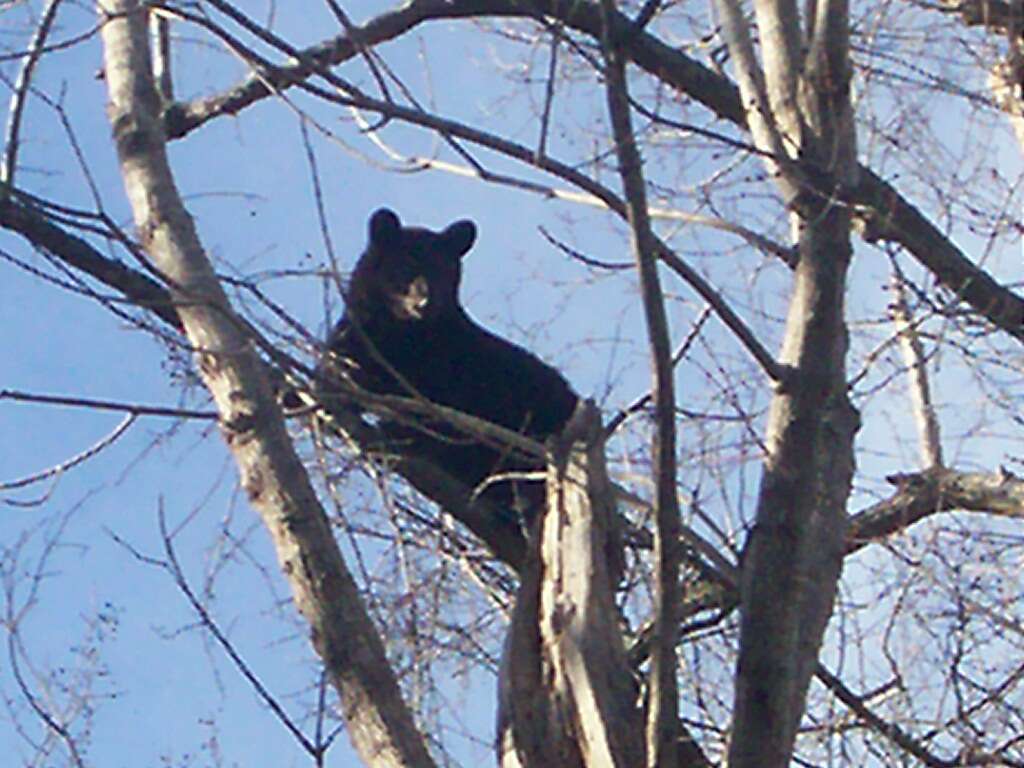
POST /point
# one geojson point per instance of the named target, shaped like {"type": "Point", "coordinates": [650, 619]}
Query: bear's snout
{"type": "Point", "coordinates": [413, 303]}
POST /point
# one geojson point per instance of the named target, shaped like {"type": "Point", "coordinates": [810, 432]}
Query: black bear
{"type": "Point", "coordinates": [405, 333]}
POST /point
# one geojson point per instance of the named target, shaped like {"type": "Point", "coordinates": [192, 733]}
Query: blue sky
{"type": "Point", "coordinates": [166, 690]}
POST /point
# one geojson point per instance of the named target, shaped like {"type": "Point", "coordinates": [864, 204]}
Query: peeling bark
{"type": "Point", "coordinates": [566, 692]}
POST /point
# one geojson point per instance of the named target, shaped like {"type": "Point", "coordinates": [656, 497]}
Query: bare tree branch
{"type": "Point", "coordinates": [58, 721]}
{"type": "Point", "coordinates": [793, 557]}
{"type": "Point", "coordinates": [133, 409]}
{"type": "Point", "coordinates": [663, 706]}
{"type": "Point", "coordinates": [12, 138]}
{"type": "Point", "coordinates": [927, 421]}
{"type": "Point", "coordinates": [922, 494]}
{"type": "Point", "coordinates": [64, 466]}
{"type": "Point", "coordinates": [890, 730]}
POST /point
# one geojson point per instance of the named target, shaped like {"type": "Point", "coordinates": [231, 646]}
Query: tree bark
{"type": "Point", "coordinates": [566, 692]}
{"type": "Point", "coordinates": [794, 555]}
{"type": "Point", "coordinates": [379, 724]}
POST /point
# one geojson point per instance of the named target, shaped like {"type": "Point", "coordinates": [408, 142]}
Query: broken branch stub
{"type": "Point", "coordinates": [566, 693]}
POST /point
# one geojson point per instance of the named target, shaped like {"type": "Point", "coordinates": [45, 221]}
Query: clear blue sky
{"type": "Point", "coordinates": [166, 689]}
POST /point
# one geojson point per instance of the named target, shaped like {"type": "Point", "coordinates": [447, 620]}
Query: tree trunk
{"type": "Point", "coordinates": [379, 723]}
{"type": "Point", "coordinates": [799, 113]}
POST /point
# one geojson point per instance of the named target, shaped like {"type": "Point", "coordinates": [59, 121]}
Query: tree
{"type": "Point", "coordinates": [768, 577]}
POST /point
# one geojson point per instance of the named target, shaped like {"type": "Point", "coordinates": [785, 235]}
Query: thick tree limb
{"type": "Point", "coordinates": [922, 494]}
{"type": "Point", "coordinates": [884, 215]}
{"type": "Point", "coordinates": [794, 553]}
{"type": "Point", "coordinates": [379, 723]}
{"type": "Point", "coordinates": [566, 691]}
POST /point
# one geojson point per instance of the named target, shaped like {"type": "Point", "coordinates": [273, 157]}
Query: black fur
{"type": "Point", "coordinates": [403, 313]}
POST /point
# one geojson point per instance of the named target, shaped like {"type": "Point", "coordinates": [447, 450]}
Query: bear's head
{"type": "Point", "coordinates": [410, 273]}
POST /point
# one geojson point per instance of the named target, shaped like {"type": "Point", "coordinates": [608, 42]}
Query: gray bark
{"type": "Point", "coordinates": [379, 724]}
{"type": "Point", "coordinates": [795, 551]}
{"type": "Point", "coordinates": [566, 695]}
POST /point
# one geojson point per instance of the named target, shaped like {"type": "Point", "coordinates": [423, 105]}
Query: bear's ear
{"type": "Point", "coordinates": [460, 237]}
{"type": "Point", "coordinates": [384, 227]}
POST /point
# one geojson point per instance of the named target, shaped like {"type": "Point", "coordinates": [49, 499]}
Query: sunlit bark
{"type": "Point", "coordinates": [567, 695]}
{"type": "Point", "coordinates": [380, 725]}
{"type": "Point", "coordinates": [795, 551]}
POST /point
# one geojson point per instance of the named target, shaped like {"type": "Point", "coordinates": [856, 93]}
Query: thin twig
{"type": "Point", "coordinates": [641, 402]}
{"type": "Point", "coordinates": [74, 461]}
{"type": "Point", "coordinates": [106, 405]}
{"type": "Point", "coordinates": [13, 135]}
{"type": "Point", "coordinates": [318, 199]}
{"type": "Point", "coordinates": [890, 730]}
{"type": "Point", "coordinates": [549, 90]}
{"type": "Point", "coordinates": [174, 569]}
{"type": "Point", "coordinates": [12, 619]}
